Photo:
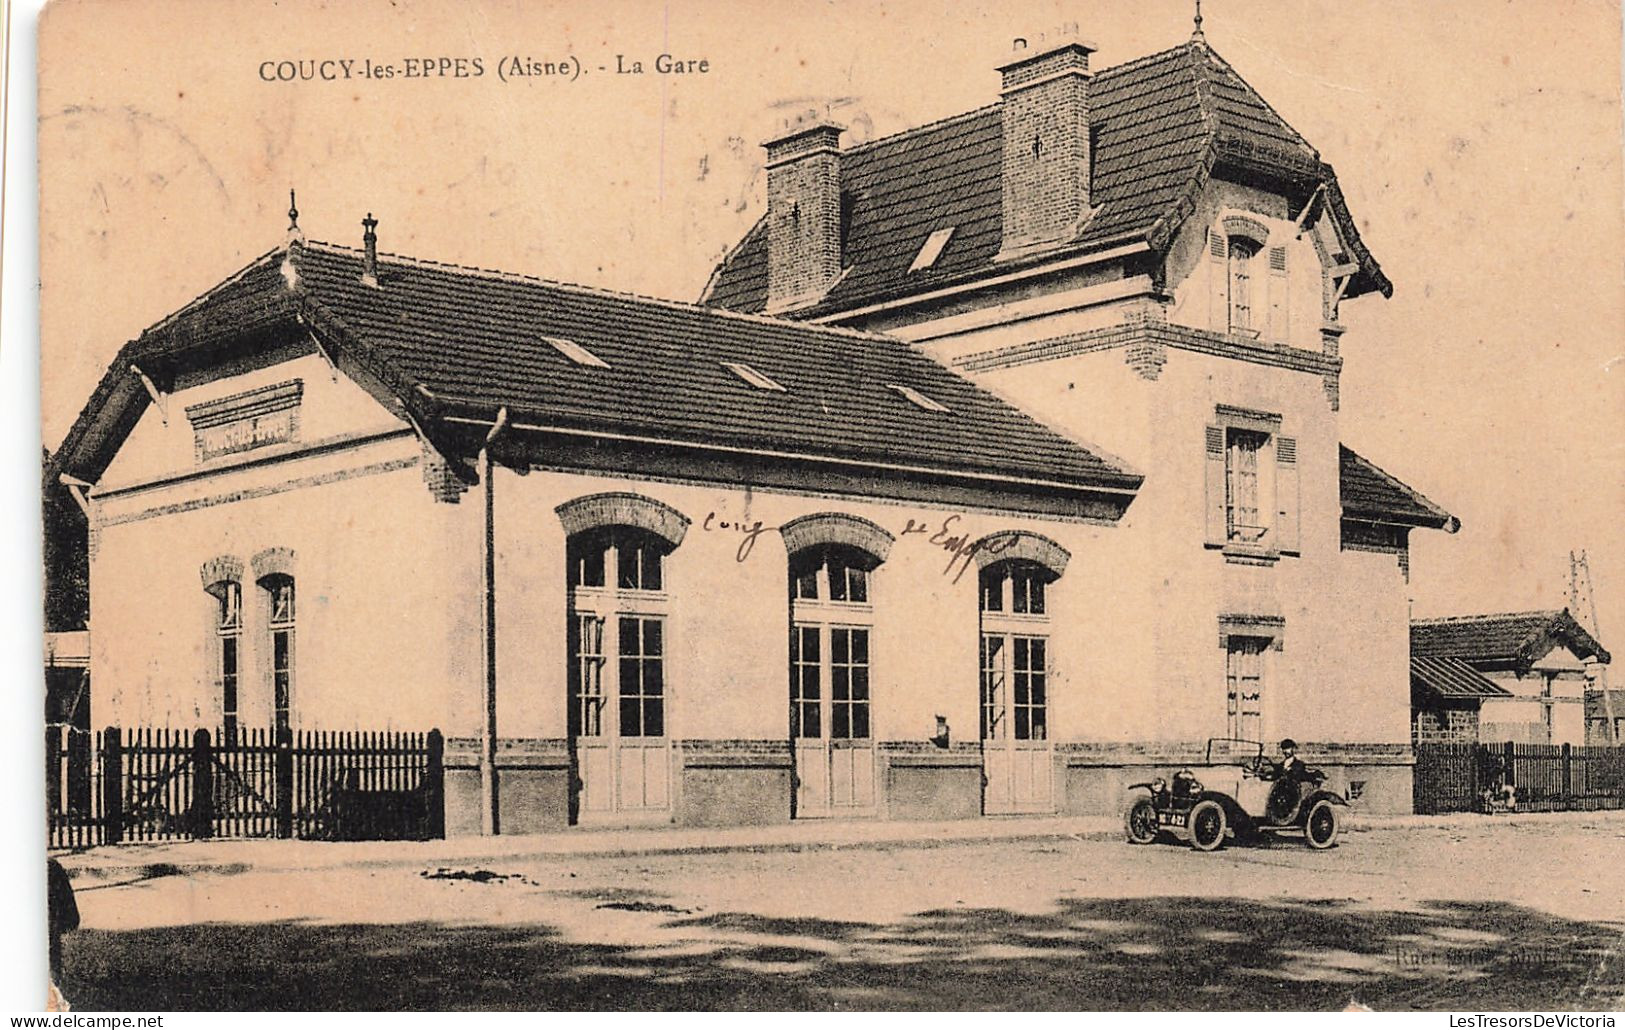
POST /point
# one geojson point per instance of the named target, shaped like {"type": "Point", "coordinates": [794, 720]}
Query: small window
{"type": "Point", "coordinates": [1242, 253]}
{"type": "Point", "coordinates": [636, 558]}
{"type": "Point", "coordinates": [575, 352]}
{"type": "Point", "coordinates": [1016, 587]}
{"type": "Point", "coordinates": [842, 571]}
{"type": "Point", "coordinates": [931, 250]}
{"type": "Point", "coordinates": [752, 376]}
{"type": "Point", "coordinates": [230, 596]}
{"type": "Point", "coordinates": [916, 398]}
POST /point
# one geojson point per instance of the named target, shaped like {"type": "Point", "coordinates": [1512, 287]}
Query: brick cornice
{"type": "Point", "coordinates": [1159, 334]}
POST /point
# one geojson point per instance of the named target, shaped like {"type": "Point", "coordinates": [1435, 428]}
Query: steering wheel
{"type": "Point", "coordinates": [1266, 769]}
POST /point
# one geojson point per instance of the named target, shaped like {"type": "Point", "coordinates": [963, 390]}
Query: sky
{"type": "Point", "coordinates": [1478, 144]}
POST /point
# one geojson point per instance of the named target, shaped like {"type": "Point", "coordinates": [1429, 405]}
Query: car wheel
{"type": "Point", "coordinates": [1207, 823]}
{"type": "Point", "coordinates": [1320, 827]}
{"type": "Point", "coordinates": [1140, 822]}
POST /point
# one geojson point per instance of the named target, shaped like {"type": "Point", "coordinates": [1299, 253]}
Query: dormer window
{"type": "Point", "coordinates": [916, 398]}
{"type": "Point", "coordinates": [932, 249]}
{"type": "Point", "coordinates": [752, 376]}
{"type": "Point", "coordinates": [1241, 254]}
{"type": "Point", "coordinates": [576, 353]}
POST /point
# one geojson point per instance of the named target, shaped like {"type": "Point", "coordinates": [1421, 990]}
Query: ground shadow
{"type": "Point", "coordinates": [1139, 953]}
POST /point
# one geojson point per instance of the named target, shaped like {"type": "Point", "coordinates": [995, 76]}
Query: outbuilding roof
{"type": "Point", "coordinates": [1161, 125]}
{"type": "Point", "coordinates": [1371, 495]}
{"type": "Point", "coordinates": [1452, 678]}
{"type": "Point", "coordinates": [1511, 637]}
{"type": "Point", "coordinates": [456, 341]}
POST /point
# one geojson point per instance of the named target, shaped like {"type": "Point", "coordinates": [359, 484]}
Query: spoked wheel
{"type": "Point", "coordinates": [1207, 823]}
{"type": "Point", "coordinates": [1321, 825]}
{"type": "Point", "coordinates": [1140, 822]}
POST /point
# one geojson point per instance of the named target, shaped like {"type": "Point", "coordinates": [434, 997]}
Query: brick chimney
{"type": "Point", "coordinates": [803, 214]}
{"type": "Point", "coordinates": [1046, 162]}
{"type": "Point", "coordinates": [369, 248]}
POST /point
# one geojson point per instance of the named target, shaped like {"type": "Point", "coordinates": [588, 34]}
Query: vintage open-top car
{"type": "Point", "coordinates": [1241, 793]}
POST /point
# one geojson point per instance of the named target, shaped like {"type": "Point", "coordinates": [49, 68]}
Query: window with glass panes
{"type": "Point", "coordinates": [829, 643]}
{"type": "Point", "coordinates": [1242, 251]}
{"type": "Point", "coordinates": [1015, 651]}
{"type": "Point", "coordinates": [616, 596]}
{"type": "Point", "coordinates": [279, 594]}
{"type": "Point", "coordinates": [228, 630]}
{"type": "Point", "coordinates": [1244, 519]}
{"type": "Point", "coordinates": [1244, 686]}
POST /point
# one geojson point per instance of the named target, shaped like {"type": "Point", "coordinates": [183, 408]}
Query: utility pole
{"type": "Point", "coordinates": [1583, 605]}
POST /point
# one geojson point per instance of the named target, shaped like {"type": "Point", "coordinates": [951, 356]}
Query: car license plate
{"type": "Point", "coordinates": [1171, 818]}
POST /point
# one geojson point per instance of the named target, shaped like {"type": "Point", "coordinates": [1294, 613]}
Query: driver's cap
{"type": "Point", "coordinates": [1289, 743]}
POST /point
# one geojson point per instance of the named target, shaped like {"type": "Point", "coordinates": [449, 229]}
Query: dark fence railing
{"type": "Point", "coordinates": [1517, 777]}
{"type": "Point", "coordinates": [149, 784]}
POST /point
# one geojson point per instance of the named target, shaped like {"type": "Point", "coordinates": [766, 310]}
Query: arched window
{"type": "Point", "coordinates": [618, 694]}
{"type": "Point", "coordinates": [831, 588]}
{"type": "Point", "coordinates": [1015, 651]}
{"type": "Point", "coordinates": [278, 589]}
{"type": "Point", "coordinates": [1241, 254]}
{"type": "Point", "coordinates": [829, 644]}
{"type": "Point", "coordinates": [228, 641]}
{"type": "Point", "coordinates": [617, 581]}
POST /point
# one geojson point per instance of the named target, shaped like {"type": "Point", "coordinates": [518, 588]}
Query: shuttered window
{"type": "Point", "coordinates": [1252, 486]}
{"type": "Point", "coordinates": [1242, 253]}
{"type": "Point", "coordinates": [1242, 521]}
{"type": "Point", "coordinates": [1279, 323]}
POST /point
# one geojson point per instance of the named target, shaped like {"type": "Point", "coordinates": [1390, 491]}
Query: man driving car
{"type": "Point", "coordinates": [1291, 775]}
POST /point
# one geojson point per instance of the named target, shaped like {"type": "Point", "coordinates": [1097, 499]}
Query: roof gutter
{"type": "Point", "coordinates": [1445, 521]}
{"type": "Point", "coordinates": [758, 452]}
{"type": "Point", "coordinates": [1081, 260]}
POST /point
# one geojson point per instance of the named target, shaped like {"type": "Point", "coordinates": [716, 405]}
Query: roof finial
{"type": "Point", "coordinates": [294, 232]}
{"type": "Point", "coordinates": [1197, 33]}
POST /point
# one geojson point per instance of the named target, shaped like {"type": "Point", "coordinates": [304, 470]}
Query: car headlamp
{"type": "Point", "coordinates": [1158, 785]}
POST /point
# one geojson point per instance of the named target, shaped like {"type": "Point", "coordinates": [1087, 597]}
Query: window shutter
{"type": "Point", "coordinates": [1286, 494]}
{"type": "Point", "coordinates": [1279, 328]}
{"type": "Point", "coordinates": [1216, 530]}
{"type": "Point", "coordinates": [1219, 283]}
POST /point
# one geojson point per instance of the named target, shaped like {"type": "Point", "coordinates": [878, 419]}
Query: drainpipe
{"type": "Point", "coordinates": [489, 824]}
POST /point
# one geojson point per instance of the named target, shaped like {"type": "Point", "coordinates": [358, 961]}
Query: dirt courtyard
{"type": "Point", "coordinates": [1487, 916]}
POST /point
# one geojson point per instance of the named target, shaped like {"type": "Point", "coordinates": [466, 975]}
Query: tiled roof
{"type": "Point", "coordinates": [1452, 677]}
{"type": "Point", "coordinates": [1161, 122]}
{"type": "Point", "coordinates": [452, 340]}
{"type": "Point", "coordinates": [1370, 494]}
{"type": "Point", "coordinates": [1511, 637]}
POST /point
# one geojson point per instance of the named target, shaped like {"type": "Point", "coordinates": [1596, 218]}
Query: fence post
{"type": "Point", "coordinates": [1568, 777]}
{"type": "Point", "coordinates": [53, 778]}
{"type": "Point", "coordinates": [112, 785]}
{"type": "Point", "coordinates": [202, 786]}
{"type": "Point", "coordinates": [434, 786]}
{"type": "Point", "coordinates": [284, 782]}
{"type": "Point", "coordinates": [1509, 759]}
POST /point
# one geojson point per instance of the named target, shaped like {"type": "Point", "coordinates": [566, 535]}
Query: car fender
{"type": "Point", "coordinates": [1322, 795]}
{"type": "Point", "coordinates": [1237, 816]}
